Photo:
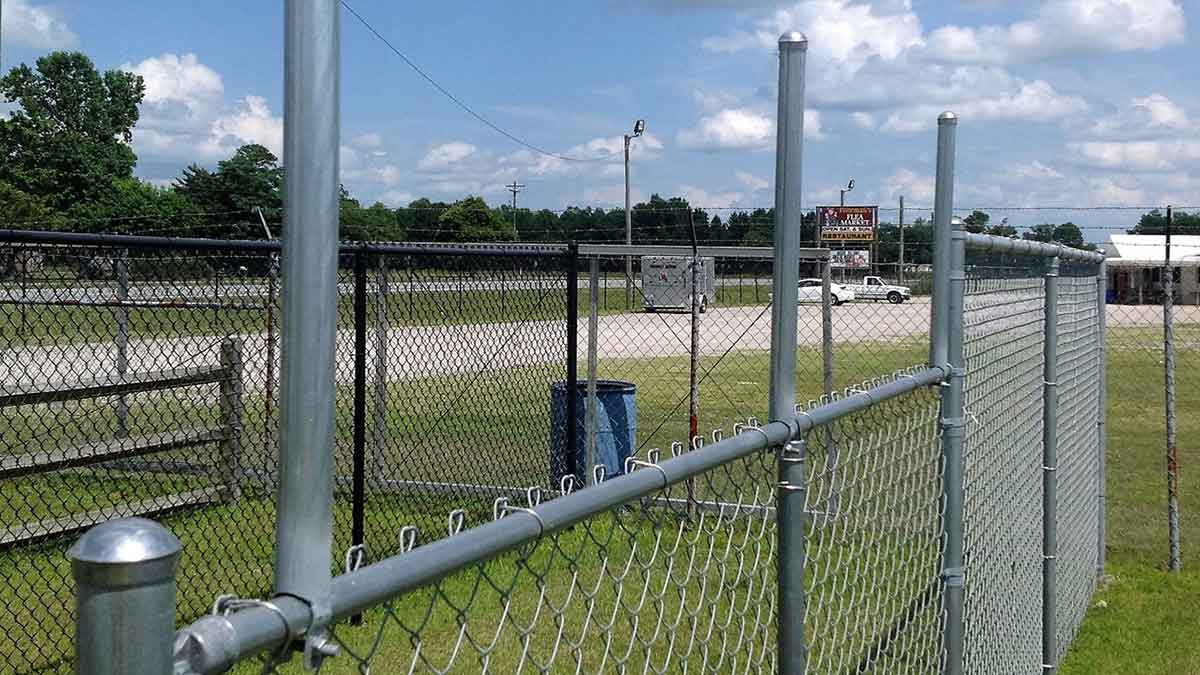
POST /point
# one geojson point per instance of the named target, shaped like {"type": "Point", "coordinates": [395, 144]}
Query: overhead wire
{"type": "Point", "coordinates": [461, 104]}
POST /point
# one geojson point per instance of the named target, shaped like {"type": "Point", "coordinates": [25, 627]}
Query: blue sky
{"type": "Point", "coordinates": [1062, 102]}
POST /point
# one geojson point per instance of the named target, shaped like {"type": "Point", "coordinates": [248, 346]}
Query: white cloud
{"type": "Point", "coordinates": [753, 183]}
{"type": "Point", "coordinates": [729, 129]}
{"type": "Point", "coordinates": [863, 120]}
{"type": "Point", "coordinates": [1014, 100]}
{"type": "Point", "coordinates": [611, 196]}
{"type": "Point", "coordinates": [173, 79]}
{"type": "Point", "coordinates": [1153, 115]}
{"type": "Point", "coordinates": [1034, 170]}
{"type": "Point", "coordinates": [1065, 27]}
{"type": "Point", "coordinates": [742, 129]}
{"type": "Point", "coordinates": [699, 197]}
{"type": "Point", "coordinates": [917, 189]}
{"type": "Point", "coordinates": [445, 156]}
{"type": "Point", "coordinates": [850, 33]}
{"type": "Point", "coordinates": [251, 121]}
{"type": "Point", "coordinates": [1152, 155]}
{"type": "Point", "coordinates": [36, 27]}
{"type": "Point", "coordinates": [396, 198]}
{"type": "Point", "coordinates": [877, 60]}
{"type": "Point", "coordinates": [368, 141]}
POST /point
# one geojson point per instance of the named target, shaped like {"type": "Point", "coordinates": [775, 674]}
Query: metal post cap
{"type": "Point", "coordinates": [125, 552]}
{"type": "Point", "coordinates": [947, 118]}
{"type": "Point", "coordinates": [793, 39]}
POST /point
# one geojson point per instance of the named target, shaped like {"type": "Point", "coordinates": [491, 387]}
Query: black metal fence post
{"type": "Point", "coordinates": [357, 533]}
{"type": "Point", "coordinates": [572, 442]}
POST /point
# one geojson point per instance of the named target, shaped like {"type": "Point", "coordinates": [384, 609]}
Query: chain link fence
{"type": "Point", "coordinates": [1006, 484]}
{"type": "Point", "coordinates": [141, 377]}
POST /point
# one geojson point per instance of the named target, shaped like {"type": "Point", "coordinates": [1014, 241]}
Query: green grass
{"type": "Point", "coordinates": [1144, 618]}
{"type": "Point", "coordinates": [1141, 621]}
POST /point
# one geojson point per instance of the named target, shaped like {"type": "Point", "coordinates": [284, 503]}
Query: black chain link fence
{"type": "Point", "coordinates": [141, 377]}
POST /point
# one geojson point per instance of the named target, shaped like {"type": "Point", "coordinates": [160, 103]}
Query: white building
{"type": "Point", "coordinates": [1135, 268]}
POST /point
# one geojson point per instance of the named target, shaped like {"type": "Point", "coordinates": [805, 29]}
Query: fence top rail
{"type": "Point", "coordinates": [765, 252]}
{"type": "Point", "coordinates": [989, 242]}
{"type": "Point", "coordinates": [117, 241]}
{"type": "Point", "coordinates": [215, 643]}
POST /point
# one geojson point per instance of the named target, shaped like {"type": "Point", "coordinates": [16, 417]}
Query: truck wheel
{"type": "Point", "coordinates": [895, 298]}
{"type": "Point", "coordinates": [703, 304]}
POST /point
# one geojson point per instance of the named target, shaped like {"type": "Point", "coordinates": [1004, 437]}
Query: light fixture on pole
{"type": "Point", "coordinates": [639, 127]}
{"type": "Point", "coordinates": [843, 191]}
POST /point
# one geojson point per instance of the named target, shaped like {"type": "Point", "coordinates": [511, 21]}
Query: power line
{"type": "Point", "coordinates": [445, 92]}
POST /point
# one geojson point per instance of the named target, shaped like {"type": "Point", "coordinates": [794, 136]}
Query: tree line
{"type": "Point", "coordinates": [68, 164]}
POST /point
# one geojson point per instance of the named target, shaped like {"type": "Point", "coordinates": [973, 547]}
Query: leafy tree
{"type": "Point", "coordinates": [250, 178]}
{"type": "Point", "coordinates": [68, 140]}
{"type": "Point", "coordinates": [1002, 230]}
{"type": "Point", "coordinates": [976, 222]}
{"type": "Point", "coordinates": [1043, 232]}
{"type": "Point", "coordinates": [23, 211]}
{"type": "Point", "coordinates": [154, 210]}
{"type": "Point", "coordinates": [419, 220]}
{"type": "Point", "coordinates": [470, 219]}
{"type": "Point", "coordinates": [1155, 222]}
{"type": "Point", "coordinates": [1069, 234]}
{"type": "Point", "coordinates": [375, 223]}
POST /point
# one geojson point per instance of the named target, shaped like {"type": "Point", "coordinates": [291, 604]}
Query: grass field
{"type": "Point", "coordinates": [479, 301]}
{"type": "Point", "coordinates": [1141, 620]}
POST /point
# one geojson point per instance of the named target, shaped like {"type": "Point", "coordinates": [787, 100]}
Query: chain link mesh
{"type": "Point", "coordinates": [146, 382]}
{"type": "Point", "coordinates": [1004, 343]}
{"type": "Point", "coordinates": [1003, 321]}
{"type": "Point", "coordinates": [655, 587]}
{"type": "Point", "coordinates": [1078, 447]}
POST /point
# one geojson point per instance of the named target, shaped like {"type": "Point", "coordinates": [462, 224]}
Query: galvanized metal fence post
{"type": "Point", "coordinates": [947, 351]}
{"type": "Point", "coordinates": [789, 149]}
{"type": "Point", "coordinates": [831, 451]}
{"type": "Point", "coordinates": [1101, 417]}
{"type": "Point", "coordinates": [572, 393]}
{"type": "Point", "coordinates": [125, 598]}
{"type": "Point", "coordinates": [593, 358]}
{"type": "Point", "coordinates": [943, 212]}
{"type": "Point", "coordinates": [1168, 273]}
{"type": "Point", "coordinates": [304, 526]}
{"type": "Point", "coordinates": [1050, 472]}
{"type": "Point", "coordinates": [359, 470]}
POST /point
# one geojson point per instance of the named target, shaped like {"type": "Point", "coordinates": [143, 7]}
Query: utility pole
{"type": "Point", "coordinates": [900, 270]}
{"type": "Point", "coordinates": [514, 188]}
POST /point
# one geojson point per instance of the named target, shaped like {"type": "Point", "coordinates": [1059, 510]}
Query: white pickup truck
{"type": "Point", "coordinates": [876, 289]}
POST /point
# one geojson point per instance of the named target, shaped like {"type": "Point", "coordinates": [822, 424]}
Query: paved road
{"type": "Point", "coordinates": [241, 288]}
{"type": "Point", "coordinates": [418, 351]}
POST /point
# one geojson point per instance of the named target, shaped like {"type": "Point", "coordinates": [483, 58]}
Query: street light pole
{"type": "Point", "coordinates": [628, 232]}
{"type": "Point", "coordinates": [638, 128]}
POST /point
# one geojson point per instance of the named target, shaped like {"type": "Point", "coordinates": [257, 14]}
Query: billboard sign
{"type": "Point", "coordinates": [849, 259]}
{"type": "Point", "coordinates": [847, 223]}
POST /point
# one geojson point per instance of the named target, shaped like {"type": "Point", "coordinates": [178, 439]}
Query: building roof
{"type": "Point", "coordinates": [1149, 250]}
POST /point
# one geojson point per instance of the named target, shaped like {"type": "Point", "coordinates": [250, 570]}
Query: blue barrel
{"type": "Point", "coordinates": [616, 429]}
